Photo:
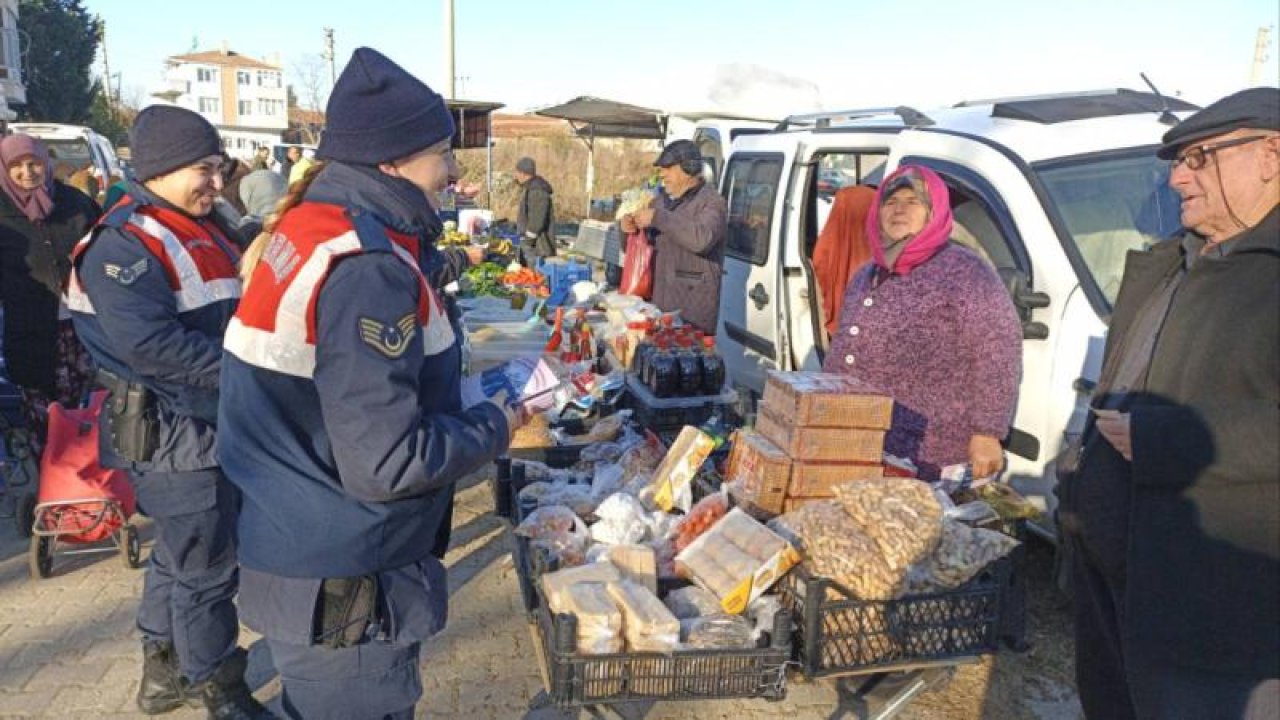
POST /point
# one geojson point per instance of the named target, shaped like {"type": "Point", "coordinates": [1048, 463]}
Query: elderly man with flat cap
{"type": "Point", "coordinates": [1173, 510]}
{"type": "Point", "coordinates": [687, 224]}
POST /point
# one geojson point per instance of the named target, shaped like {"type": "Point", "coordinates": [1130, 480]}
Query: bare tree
{"type": "Point", "coordinates": [311, 80]}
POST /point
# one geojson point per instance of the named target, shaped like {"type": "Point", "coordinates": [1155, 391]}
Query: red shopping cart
{"type": "Point", "coordinates": [80, 504]}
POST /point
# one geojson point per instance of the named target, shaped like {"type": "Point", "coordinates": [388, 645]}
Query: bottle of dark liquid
{"type": "Point", "coordinates": [689, 360]}
{"type": "Point", "coordinates": [712, 368]}
{"type": "Point", "coordinates": [664, 372]}
{"type": "Point", "coordinates": [644, 348]}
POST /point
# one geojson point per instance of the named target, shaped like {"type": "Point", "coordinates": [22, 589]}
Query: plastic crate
{"type": "Point", "coordinates": [576, 679]}
{"type": "Point", "coordinates": [663, 415]}
{"type": "Point", "coordinates": [561, 275]}
{"type": "Point", "coordinates": [841, 635]}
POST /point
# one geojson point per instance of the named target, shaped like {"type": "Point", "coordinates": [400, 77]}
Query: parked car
{"type": "Point", "coordinates": [74, 147]}
{"type": "Point", "coordinates": [1055, 191]}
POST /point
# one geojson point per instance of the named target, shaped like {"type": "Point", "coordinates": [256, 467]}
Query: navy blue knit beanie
{"type": "Point", "coordinates": [165, 138]}
{"type": "Point", "coordinates": [377, 113]}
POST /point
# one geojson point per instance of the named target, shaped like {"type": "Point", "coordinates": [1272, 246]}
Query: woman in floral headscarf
{"type": "Point", "coordinates": [929, 322]}
{"type": "Point", "coordinates": [41, 220]}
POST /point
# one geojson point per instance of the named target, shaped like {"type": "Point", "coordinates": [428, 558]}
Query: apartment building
{"type": "Point", "coordinates": [245, 98]}
{"type": "Point", "coordinates": [12, 89]}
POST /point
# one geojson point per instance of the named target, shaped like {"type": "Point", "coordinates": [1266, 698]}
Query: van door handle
{"type": "Point", "coordinates": [759, 296]}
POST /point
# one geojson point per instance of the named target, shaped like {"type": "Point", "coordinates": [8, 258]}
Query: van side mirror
{"type": "Point", "coordinates": [1025, 300]}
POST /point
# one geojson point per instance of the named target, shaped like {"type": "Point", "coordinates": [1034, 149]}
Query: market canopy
{"type": "Point", "coordinates": [474, 120]}
{"type": "Point", "coordinates": [594, 117]}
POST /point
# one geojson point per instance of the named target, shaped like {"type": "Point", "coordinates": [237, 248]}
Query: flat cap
{"type": "Point", "coordinates": [1257, 108]}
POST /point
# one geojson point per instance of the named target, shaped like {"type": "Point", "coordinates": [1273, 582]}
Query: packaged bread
{"type": "Point", "coordinates": [599, 619]}
{"type": "Point", "coordinates": [813, 399]}
{"type": "Point", "coordinates": [673, 479]}
{"type": "Point", "coordinates": [554, 584]}
{"type": "Point", "coordinates": [900, 514]}
{"type": "Point", "coordinates": [636, 563]}
{"type": "Point", "coordinates": [737, 560]}
{"type": "Point", "coordinates": [847, 445]}
{"type": "Point", "coordinates": [762, 470]}
{"type": "Point", "coordinates": [647, 624]}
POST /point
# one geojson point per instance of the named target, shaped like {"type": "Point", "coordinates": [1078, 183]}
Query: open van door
{"type": "Point", "coordinates": [750, 332]}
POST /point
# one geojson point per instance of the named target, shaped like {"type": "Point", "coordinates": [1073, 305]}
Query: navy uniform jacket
{"type": "Point", "coordinates": [151, 292]}
{"type": "Point", "coordinates": [341, 411]}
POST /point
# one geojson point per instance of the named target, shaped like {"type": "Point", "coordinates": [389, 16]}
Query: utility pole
{"type": "Point", "coordinates": [1259, 58]}
{"type": "Point", "coordinates": [448, 51]}
{"type": "Point", "coordinates": [328, 55]}
{"type": "Point", "coordinates": [106, 67]}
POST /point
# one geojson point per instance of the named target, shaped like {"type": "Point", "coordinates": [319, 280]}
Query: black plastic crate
{"type": "Point", "coordinates": [841, 635]}
{"type": "Point", "coordinates": [577, 679]}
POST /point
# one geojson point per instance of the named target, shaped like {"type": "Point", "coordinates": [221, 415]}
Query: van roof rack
{"type": "Point", "coordinates": [825, 118]}
{"type": "Point", "coordinates": [1065, 107]}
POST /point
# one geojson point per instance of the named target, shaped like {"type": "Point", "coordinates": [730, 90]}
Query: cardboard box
{"type": "Point", "coordinates": [847, 445]}
{"type": "Point", "coordinates": [815, 479]}
{"type": "Point", "coordinates": [762, 467]}
{"type": "Point", "coordinates": [811, 399]}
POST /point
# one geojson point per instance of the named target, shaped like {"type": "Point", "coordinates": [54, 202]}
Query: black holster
{"type": "Point", "coordinates": [133, 418]}
{"type": "Point", "coordinates": [347, 609]}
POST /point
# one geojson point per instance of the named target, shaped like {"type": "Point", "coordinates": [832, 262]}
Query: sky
{"type": "Point", "coordinates": [749, 56]}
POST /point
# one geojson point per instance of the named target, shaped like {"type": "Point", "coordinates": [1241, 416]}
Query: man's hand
{"type": "Point", "coordinates": [516, 414]}
{"type": "Point", "coordinates": [475, 254]}
{"type": "Point", "coordinates": [628, 224]}
{"type": "Point", "coordinates": [644, 217]}
{"type": "Point", "coordinates": [986, 457]}
{"type": "Point", "coordinates": [1114, 426]}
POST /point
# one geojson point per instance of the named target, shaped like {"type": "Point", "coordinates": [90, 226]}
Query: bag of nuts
{"type": "Point", "coordinates": [901, 515]}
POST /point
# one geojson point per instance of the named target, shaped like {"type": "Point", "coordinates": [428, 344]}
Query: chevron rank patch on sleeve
{"type": "Point", "coordinates": [389, 340]}
{"type": "Point", "coordinates": [127, 275]}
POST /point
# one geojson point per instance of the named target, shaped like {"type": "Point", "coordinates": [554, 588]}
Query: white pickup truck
{"type": "Point", "coordinates": [1055, 189]}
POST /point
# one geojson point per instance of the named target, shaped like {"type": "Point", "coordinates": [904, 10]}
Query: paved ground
{"type": "Point", "coordinates": [68, 649]}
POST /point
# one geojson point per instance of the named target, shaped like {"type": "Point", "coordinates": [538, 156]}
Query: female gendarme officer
{"type": "Point", "coordinates": [340, 413]}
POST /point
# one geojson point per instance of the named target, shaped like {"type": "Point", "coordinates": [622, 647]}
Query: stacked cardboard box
{"type": "Point", "coordinates": [813, 431]}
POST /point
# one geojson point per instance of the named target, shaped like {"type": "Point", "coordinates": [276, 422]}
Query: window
{"type": "Point", "coordinates": [242, 77]}
{"type": "Point", "coordinates": [268, 79]}
{"type": "Point", "coordinates": [751, 182]}
{"type": "Point", "coordinates": [708, 142]}
{"type": "Point", "coordinates": [270, 107]}
{"type": "Point", "coordinates": [206, 75]}
{"type": "Point", "coordinates": [832, 173]}
{"type": "Point", "coordinates": [210, 105]}
{"type": "Point", "coordinates": [1111, 204]}
{"type": "Point", "coordinates": [245, 107]}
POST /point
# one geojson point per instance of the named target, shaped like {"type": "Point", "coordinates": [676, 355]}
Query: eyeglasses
{"type": "Point", "coordinates": [1196, 157]}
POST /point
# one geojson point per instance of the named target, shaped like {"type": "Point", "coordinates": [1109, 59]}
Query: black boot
{"type": "Point", "coordinates": [163, 688]}
{"type": "Point", "coordinates": [227, 696]}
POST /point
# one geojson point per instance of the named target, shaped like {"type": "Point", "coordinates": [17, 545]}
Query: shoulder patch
{"type": "Point", "coordinates": [127, 275]}
{"type": "Point", "coordinates": [390, 340]}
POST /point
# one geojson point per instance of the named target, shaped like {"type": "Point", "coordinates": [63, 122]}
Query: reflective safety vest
{"type": "Point", "coordinates": [275, 325]}
{"type": "Point", "coordinates": [198, 260]}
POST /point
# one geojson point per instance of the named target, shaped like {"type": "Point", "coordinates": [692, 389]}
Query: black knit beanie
{"type": "Point", "coordinates": [165, 138]}
{"type": "Point", "coordinates": [378, 112]}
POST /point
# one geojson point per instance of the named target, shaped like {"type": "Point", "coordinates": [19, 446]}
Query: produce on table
{"type": "Point", "coordinates": [962, 553]}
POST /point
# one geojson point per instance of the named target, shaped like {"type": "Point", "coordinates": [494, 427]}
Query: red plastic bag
{"type": "Point", "coordinates": [637, 269]}
{"type": "Point", "coordinates": [69, 470]}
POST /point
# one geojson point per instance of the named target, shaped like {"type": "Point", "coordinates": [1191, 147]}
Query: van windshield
{"type": "Point", "coordinates": [1111, 204]}
{"type": "Point", "coordinates": [67, 155]}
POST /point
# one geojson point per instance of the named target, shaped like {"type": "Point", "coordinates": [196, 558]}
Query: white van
{"type": "Point", "coordinates": [1056, 189]}
{"type": "Point", "coordinates": [75, 146]}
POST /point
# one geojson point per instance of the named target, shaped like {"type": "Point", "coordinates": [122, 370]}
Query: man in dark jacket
{"type": "Point", "coordinates": [535, 218]}
{"type": "Point", "coordinates": [1174, 510]}
{"type": "Point", "coordinates": [152, 290]}
{"type": "Point", "coordinates": [688, 225]}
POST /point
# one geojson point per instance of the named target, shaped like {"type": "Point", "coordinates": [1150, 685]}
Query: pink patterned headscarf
{"type": "Point", "coordinates": [35, 204]}
{"type": "Point", "coordinates": [937, 229]}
